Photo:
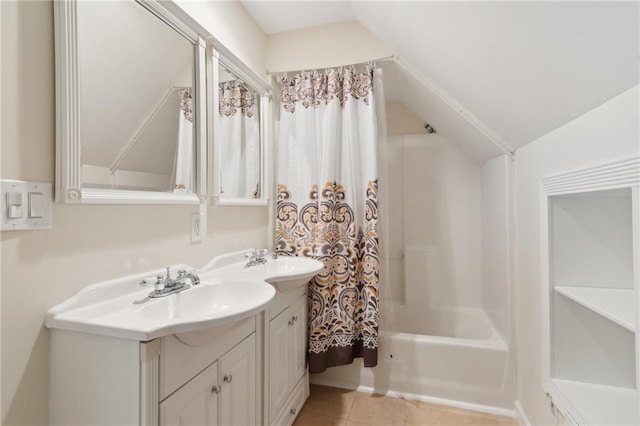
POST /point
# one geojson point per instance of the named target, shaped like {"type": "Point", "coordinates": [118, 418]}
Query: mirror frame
{"type": "Point", "coordinates": [220, 55]}
{"type": "Point", "coordinates": [68, 139]}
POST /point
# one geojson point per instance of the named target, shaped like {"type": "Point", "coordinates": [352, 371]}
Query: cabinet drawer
{"type": "Point", "coordinates": [291, 409]}
{"type": "Point", "coordinates": [283, 300]}
{"type": "Point", "coordinates": [185, 355]}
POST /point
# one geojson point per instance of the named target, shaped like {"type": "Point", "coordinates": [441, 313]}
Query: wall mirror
{"type": "Point", "coordinates": [130, 104]}
{"type": "Point", "coordinates": [240, 104]}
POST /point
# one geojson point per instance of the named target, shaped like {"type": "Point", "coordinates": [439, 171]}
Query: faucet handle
{"type": "Point", "coordinates": [256, 252]}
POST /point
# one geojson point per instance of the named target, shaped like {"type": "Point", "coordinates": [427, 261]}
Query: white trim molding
{"type": "Point", "coordinates": [521, 416]}
{"type": "Point", "coordinates": [68, 187]}
{"type": "Point", "coordinates": [616, 174]}
{"type": "Point", "coordinates": [217, 56]}
{"type": "Point", "coordinates": [619, 174]}
{"type": "Point", "coordinates": [150, 381]}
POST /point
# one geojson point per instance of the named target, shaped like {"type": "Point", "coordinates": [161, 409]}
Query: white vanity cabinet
{"type": "Point", "coordinates": [592, 219]}
{"type": "Point", "coordinates": [224, 393]}
{"type": "Point", "coordinates": [196, 403]}
{"type": "Point", "coordinates": [229, 351]}
{"type": "Point", "coordinates": [287, 377]}
{"type": "Point", "coordinates": [207, 377]}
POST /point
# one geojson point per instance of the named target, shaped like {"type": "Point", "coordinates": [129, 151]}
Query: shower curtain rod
{"type": "Point", "coordinates": [441, 94]}
{"type": "Point", "coordinates": [393, 57]}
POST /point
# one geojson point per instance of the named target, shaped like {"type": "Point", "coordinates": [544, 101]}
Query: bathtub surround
{"type": "Point", "coordinates": [448, 244]}
{"type": "Point", "coordinates": [327, 206]}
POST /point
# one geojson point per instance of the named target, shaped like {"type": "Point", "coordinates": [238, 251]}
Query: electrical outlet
{"type": "Point", "coordinates": [196, 227]}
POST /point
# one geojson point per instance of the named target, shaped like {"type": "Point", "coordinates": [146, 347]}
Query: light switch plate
{"type": "Point", "coordinates": [36, 216]}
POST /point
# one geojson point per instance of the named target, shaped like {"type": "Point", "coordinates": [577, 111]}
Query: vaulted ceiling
{"type": "Point", "coordinates": [521, 69]}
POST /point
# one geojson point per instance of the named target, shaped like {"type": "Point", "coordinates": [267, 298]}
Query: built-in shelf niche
{"type": "Point", "coordinates": [590, 348]}
{"type": "Point", "coordinates": [592, 225]}
{"type": "Point", "coordinates": [591, 239]}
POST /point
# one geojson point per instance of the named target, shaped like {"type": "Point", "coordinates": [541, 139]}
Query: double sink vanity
{"type": "Point", "coordinates": [225, 344]}
{"type": "Point", "coordinates": [228, 347]}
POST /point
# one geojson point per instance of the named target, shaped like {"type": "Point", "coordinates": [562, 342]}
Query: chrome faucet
{"type": "Point", "coordinates": [165, 285]}
{"type": "Point", "coordinates": [257, 257]}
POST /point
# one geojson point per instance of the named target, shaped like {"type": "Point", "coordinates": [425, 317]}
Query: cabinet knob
{"type": "Point", "coordinates": [293, 411]}
{"type": "Point", "coordinates": [295, 318]}
{"type": "Point", "coordinates": [216, 389]}
{"type": "Point", "coordinates": [290, 322]}
{"type": "Point", "coordinates": [227, 378]}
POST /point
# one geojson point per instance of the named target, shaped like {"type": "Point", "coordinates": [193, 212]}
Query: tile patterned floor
{"type": "Point", "coordinates": [340, 407]}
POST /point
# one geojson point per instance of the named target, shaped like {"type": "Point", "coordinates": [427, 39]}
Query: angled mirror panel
{"type": "Point", "coordinates": [240, 103]}
{"type": "Point", "coordinates": [239, 133]}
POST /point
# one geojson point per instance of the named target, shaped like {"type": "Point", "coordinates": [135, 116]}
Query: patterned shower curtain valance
{"type": "Point", "coordinates": [186, 104]}
{"type": "Point", "coordinates": [327, 208]}
{"type": "Point", "coordinates": [313, 88]}
{"type": "Point", "coordinates": [234, 96]}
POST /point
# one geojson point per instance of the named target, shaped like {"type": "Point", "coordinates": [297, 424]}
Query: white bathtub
{"type": "Point", "coordinates": [467, 324]}
{"type": "Point", "coordinates": [463, 362]}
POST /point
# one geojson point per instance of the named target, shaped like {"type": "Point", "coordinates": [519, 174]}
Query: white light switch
{"type": "Point", "coordinates": [14, 204]}
{"type": "Point", "coordinates": [25, 205]}
{"type": "Point", "coordinates": [35, 205]}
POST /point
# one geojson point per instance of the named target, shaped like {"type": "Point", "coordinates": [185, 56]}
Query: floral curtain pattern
{"type": "Point", "coordinates": [327, 208]}
{"type": "Point", "coordinates": [184, 180]}
{"type": "Point", "coordinates": [311, 89]}
{"type": "Point", "coordinates": [234, 96]}
{"type": "Point", "coordinates": [186, 104]}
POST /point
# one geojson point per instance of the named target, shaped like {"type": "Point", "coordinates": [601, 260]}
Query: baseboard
{"type": "Point", "coordinates": [521, 416]}
{"type": "Point", "coordinates": [414, 397]}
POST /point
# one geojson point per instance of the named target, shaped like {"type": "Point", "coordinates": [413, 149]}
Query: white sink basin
{"type": "Point", "coordinates": [289, 273]}
{"type": "Point", "coordinates": [211, 301]}
{"type": "Point", "coordinates": [106, 309]}
{"type": "Point", "coordinates": [229, 292]}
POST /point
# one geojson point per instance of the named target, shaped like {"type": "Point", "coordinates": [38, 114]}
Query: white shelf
{"type": "Point", "coordinates": [600, 405]}
{"type": "Point", "coordinates": [617, 305]}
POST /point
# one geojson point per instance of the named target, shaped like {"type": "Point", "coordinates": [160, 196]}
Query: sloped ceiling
{"type": "Point", "coordinates": [521, 68]}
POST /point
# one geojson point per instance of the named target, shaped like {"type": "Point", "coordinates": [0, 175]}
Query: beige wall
{"type": "Point", "coordinates": [605, 134]}
{"type": "Point", "coordinates": [87, 243]}
{"type": "Point", "coordinates": [401, 121]}
{"type": "Point", "coordinates": [331, 45]}
{"type": "Point", "coordinates": [231, 25]}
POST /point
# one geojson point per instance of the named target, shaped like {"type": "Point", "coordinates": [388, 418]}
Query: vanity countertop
{"type": "Point", "coordinates": [228, 292]}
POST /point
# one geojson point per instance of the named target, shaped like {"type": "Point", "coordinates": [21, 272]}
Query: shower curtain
{"type": "Point", "coordinates": [240, 140]}
{"type": "Point", "coordinates": [184, 147]}
{"type": "Point", "coordinates": [327, 206]}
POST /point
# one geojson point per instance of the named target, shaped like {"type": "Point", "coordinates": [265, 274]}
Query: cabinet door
{"type": "Point", "coordinates": [298, 335]}
{"type": "Point", "coordinates": [238, 394]}
{"type": "Point", "coordinates": [279, 361]}
{"type": "Point", "coordinates": [196, 403]}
